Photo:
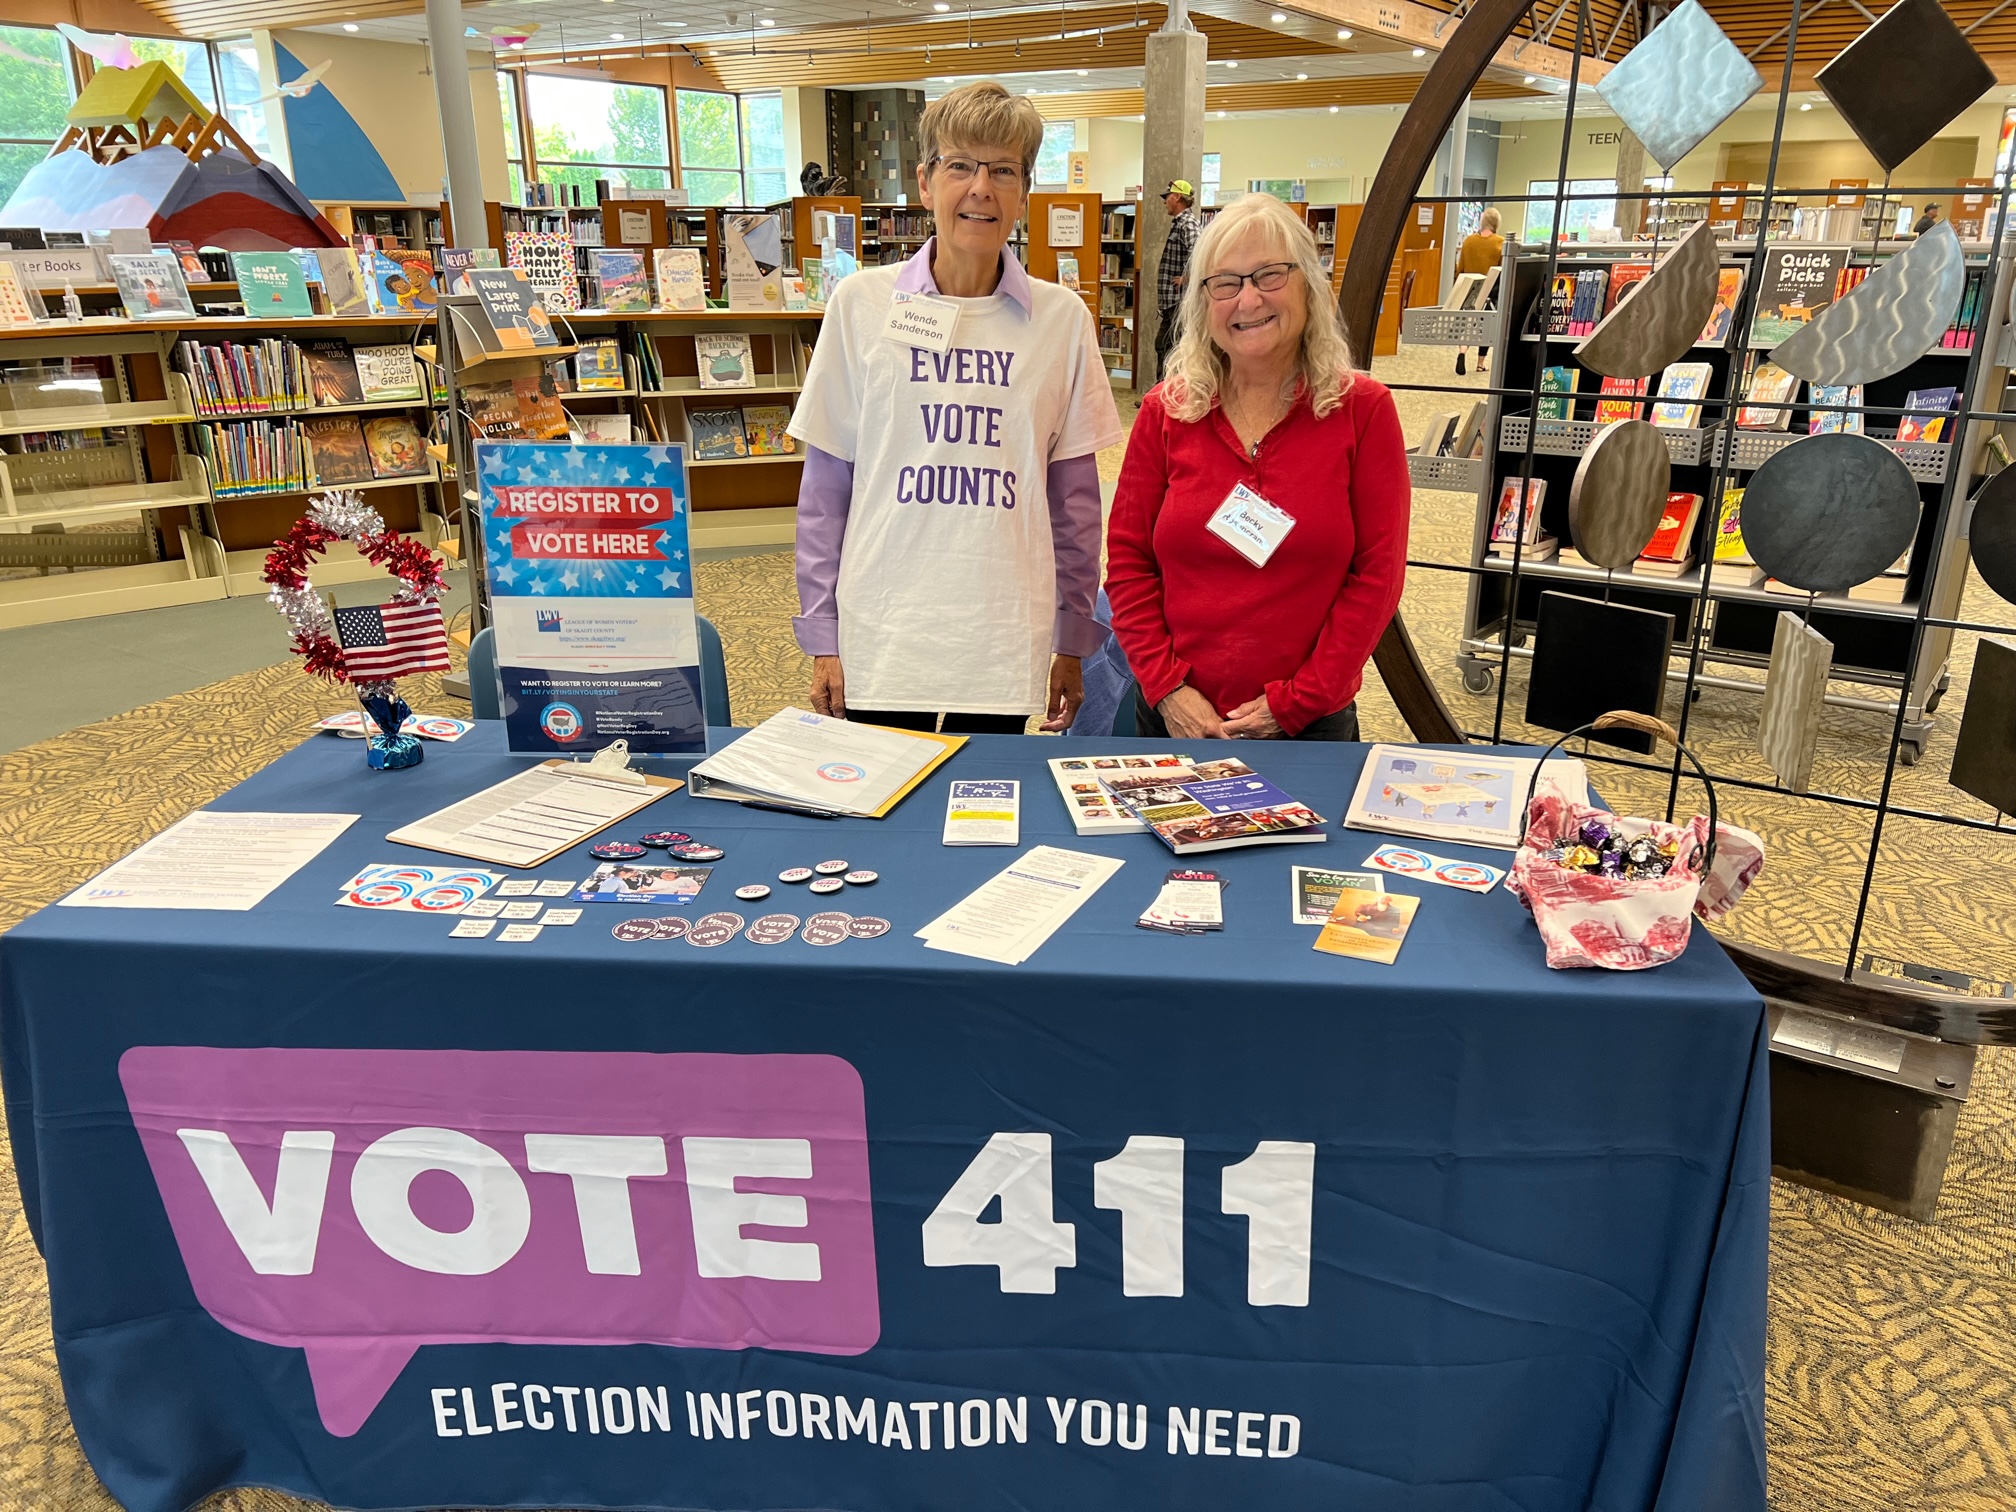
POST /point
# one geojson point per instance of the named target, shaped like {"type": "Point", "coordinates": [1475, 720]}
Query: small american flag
{"type": "Point", "coordinates": [392, 640]}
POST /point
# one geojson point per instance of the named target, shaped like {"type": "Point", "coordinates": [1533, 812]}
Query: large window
{"type": "Point", "coordinates": [238, 77]}
{"type": "Point", "coordinates": [767, 171]}
{"type": "Point", "coordinates": [710, 148]}
{"type": "Point", "coordinates": [587, 129]}
{"type": "Point", "coordinates": [34, 96]}
{"type": "Point", "coordinates": [514, 133]}
{"type": "Point", "coordinates": [1053, 158]}
{"type": "Point", "coordinates": [1207, 187]}
{"type": "Point", "coordinates": [190, 60]}
{"type": "Point", "coordinates": [1577, 214]}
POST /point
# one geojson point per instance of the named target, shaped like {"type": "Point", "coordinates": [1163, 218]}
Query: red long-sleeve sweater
{"type": "Point", "coordinates": [1190, 609]}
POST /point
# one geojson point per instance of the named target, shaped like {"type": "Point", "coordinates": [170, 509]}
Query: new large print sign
{"type": "Point", "coordinates": [357, 1204]}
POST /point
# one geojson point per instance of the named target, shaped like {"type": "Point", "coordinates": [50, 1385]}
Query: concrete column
{"type": "Point", "coordinates": [1455, 167]}
{"type": "Point", "coordinates": [449, 54]}
{"type": "Point", "coordinates": [1172, 147]}
{"type": "Point", "coordinates": [1630, 180]}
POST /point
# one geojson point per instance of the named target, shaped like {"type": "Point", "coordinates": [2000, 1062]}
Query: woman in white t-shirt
{"type": "Point", "coordinates": [949, 517]}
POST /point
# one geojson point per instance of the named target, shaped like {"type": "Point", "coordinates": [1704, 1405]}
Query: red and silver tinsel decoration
{"type": "Point", "coordinates": [341, 516]}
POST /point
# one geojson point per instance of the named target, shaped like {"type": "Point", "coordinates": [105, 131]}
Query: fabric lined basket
{"type": "Point", "coordinates": [1627, 924]}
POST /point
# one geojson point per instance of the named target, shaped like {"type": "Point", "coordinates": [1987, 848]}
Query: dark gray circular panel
{"type": "Point", "coordinates": [1992, 537]}
{"type": "Point", "coordinates": [1619, 493]}
{"type": "Point", "coordinates": [1829, 512]}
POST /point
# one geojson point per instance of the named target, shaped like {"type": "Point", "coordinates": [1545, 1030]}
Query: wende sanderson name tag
{"type": "Point", "coordinates": [922, 320]}
{"type": "Point", "coordinates": [1250, 525]}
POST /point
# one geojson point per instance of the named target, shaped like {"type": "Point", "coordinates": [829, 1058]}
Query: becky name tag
{"type": "Point", "coordinates": [1250, 525]}
{"type": "Point", "coordinates": [922, 320]}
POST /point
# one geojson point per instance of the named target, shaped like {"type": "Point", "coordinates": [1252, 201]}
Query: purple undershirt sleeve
{"type": "Point", "coordinates": [825, 490]}
{"type": "Point", "coordinates": [1075, 520]}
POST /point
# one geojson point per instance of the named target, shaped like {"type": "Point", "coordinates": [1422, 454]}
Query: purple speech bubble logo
{"type": "Point", "coordinates": [356, 1204]}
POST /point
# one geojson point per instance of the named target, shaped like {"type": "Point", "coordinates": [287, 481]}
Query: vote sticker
{"type": "Point", "coordinates": [1465, 874]}
{"type": "Point", "coordinates": [692, 850]}
{"type": "Point", "coordinates": [671, 927]}
{"type": "Point", "coordinates": [862, 878]}
{"type": "Point", "coordinates": [754, 892]}
{"type": "Point", "coordinates": [830, 868]}
{"type": "Point", "coordinates": [665, 839]}
{"type": "Point", "coordinates": [616, 850]}
{"type": "Point", "coordinates": [868, 927]}
{"type": "Point", "coordinates": [637, 929]}
{"type": "Point", "coordinates": [445, 897]}
{"type": "Point", "coordinates": [773, 929]}
{"type": "Point", "coordinates": [843, 771]}
{"type": "Point", "coordinates": [827, 928]}
{"type": "Point", "coordinates": [382, 894]}
{"type": "Point", "coordinates": [1398, 858]}
{"type": "Point", "coordinates": [795, 874]}
{"type": "Point", "coordinates": [715, 929]}
{"type": "Point", "coordinates": [826, 885]}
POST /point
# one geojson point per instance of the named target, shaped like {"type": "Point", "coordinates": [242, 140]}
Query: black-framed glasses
{"type": "Point", "coordinates": [960, 169]}
{"type": "Point", "coordinates": [1266, 278]}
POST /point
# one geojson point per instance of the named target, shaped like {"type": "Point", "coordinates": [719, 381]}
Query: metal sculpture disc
{"type": "Point", "coordinates": [1991, 539]}
{"type": "Point", "coordinates": [1680, 83]}
{"type": "Point", "coordinates": [1888, 321]}
{"type": "Point", "coordinates": [1829, 512]}
{"type": "Point", "coordinates": [1619, 492]}
{"type": "Point", "coordinates": [1658, 323]}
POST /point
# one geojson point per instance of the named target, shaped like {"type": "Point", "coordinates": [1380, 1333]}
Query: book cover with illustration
{"type": "Point", "coordinates": [336, 446]}
{"type": "Point", "coordinates": [599, 365]}
{"type": "Point", "coordinates": [546, 258]}
{"type": "Point", "coordinates": [1795, 284]}
{"type": "Point", "coordinates": [1681, 381]}
{"type": "Point", "coordinates": [682, 280]}
{"type": "Point", "coordinates": [764, 424]}
{"type": "Point", "coordinates": [386, 372]}
{"type": "Point", "coordinates": [1722, 318]}
{"type": "Point", "coordinates": [1623, 278]}
{"type": "Point", "coordinates": [150, 285]}
{"type": "Point", "coordinates": [270, 283]}
{"type": "Point", "coordinates": [396, 446]}
{"type": "Point", "coordinates": [457, 261]}
{"type": "Point", "coordinates": [717, 434]}
{"type": "Point", "coordinates": [387, 287]}
{"type": "Point", "coordinates": [1213, 805]}
{"type": "Point", "coordinates": [1511, 522]}
{"type": "Point", "coordinates": [1834, 407]}
{"type": "Point", "coordinates": [620, 279]}
{"type": "Point", "coordinates": [517, 409]}
{"type": "Point", "coordinates": [1618, 401]}
{"type": "Point", "coordinates": [332, 372]}
{"type": "Point", "coordinates": [724, 361]}
{"type": "Point", "coordinates": [1769, 385]}
{"type": "Point", "coordinates": [1673, 538]}
{"type": "Point", "coordinates": [1558, 380]}
{"type": "Point", "coordinates": [342, 281]}
{"type": "Point", "coordinates": [1930, 409]}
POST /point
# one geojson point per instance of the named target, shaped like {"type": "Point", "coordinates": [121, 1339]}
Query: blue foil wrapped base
{"type": "Point", "coordinates": [388, 751]}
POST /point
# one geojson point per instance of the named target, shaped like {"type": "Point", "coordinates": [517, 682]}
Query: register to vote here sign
{"type": "Point", "coordinates": [591, 592]}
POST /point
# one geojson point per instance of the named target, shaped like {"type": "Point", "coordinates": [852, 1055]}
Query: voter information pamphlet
{"type": "Point", "coordinates": [226, 861]}
{"type": "Point", "coordinates": [1469, 797]}
{"type": "Point", "coordinates": [1009, 916]}
{"type": "Point", "coordinates": [984, 813]}
{"type": "Point", "coordinates": [1082, 784]}
{"type": "Point", "coordinates": [828, 766]}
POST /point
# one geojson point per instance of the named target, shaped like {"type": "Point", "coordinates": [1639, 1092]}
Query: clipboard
{"type": "Point", "coordinates": [528, 819]}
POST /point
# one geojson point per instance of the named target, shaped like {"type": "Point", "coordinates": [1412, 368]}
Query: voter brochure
{"type": "Point", "coordinates": [823, 765]}
{"type": "Point", "coordinates": [1466, 796]}
{"type": "Point", "coordinates": [1088, 800]}
{"type": "Point", "coordinates": [636, 885]}
{"type": "Point", "coordinates": [227, 861]}
{"type": "Point", "coordinates": [1313, 893]}
{"type": "Point", "coordinates": [1009, 916]}
{"type": "Point", "coordinates": [1368, 926]}
{"type": "Point", "coordinates": [1214, 805]}
{"type": "Point", "coordinates": [1190, 902]}
{"type": "Point", "coordinates": [984, 813]}
{"type": "Point", "coordinates": [591, 593]}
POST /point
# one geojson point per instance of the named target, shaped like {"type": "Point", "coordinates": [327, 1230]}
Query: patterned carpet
{"type": "Point", "coordinates": [1892, 1371]}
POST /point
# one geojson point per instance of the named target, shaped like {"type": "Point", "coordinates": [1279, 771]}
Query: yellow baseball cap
{"type": "Point", "coordinates": [1182, 187]}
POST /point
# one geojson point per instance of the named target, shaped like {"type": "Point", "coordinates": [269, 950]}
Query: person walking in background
{"type": "Point", "coordinates": [1173, 272]}
{"type": "Point", "coordinates": [1482, 250]}
{"type": "Point", "coordinates": [1927, 220]}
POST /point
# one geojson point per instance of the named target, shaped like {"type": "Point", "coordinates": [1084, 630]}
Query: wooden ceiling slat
{"type": "Point", "coordinates": [1309, 94]}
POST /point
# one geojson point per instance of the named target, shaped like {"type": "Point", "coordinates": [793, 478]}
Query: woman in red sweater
{"type": "Point", "coordinates": [1259, 534]}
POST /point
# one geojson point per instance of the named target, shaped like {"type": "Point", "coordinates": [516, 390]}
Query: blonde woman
{"type": "Point", "coordinates": [948, 519]}
{"type": "Point", "coordinates": [1259, 534]}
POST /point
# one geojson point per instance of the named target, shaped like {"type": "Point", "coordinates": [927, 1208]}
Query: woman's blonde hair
{"type": "Point", "coordinates": [981, 114]}
{"type": "Point", "coordinates": [1197, 367]}
{"type": "Point", "coordinates": [1488, 221]}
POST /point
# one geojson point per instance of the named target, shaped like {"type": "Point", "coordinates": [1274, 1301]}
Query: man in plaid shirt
{"type": "Point", "coordinates": [1174, 270]}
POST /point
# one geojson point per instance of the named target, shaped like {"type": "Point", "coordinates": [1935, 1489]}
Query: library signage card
{"type": "Point", "coordinates": [591, 588]}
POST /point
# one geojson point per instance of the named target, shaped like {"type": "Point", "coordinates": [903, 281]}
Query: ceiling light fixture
{"type": "Point", "coordinates": [1231, 62]}
{"type": "Point", "coordinates": [1083, 72]}
{"type": "Point", "coordinates": [941, 6]}
{"type": "Point", "coordinates": [1529, 78]}
{"type": "Point", "coordinates": [1807, 106]}
{"type": "Point", "coordinates": [350, 26]}
{"type": "Point", "coordinates": [1221, 115]}
{"type": "Point", "coordinates": [765, 21]}
{"type": "Point", "coordinates": [1333, 110]}
{"type": "Point", "coordinates": [1420, 52]}
{"type": "Point", "coordinates": [1278, 17]}
{"type": "Point", "coordinates": [1301, 76]}
{"type": "Point", "coordinates": [1343, 34]}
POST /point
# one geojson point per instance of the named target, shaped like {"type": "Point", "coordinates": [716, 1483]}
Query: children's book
{"type": "Point", "coordinates": [150, 285]}
{"type": "Point", "coordinates": [1067, 270]}
{"type": "Point", "coordinates": [386, 372]}
{"type": "Point", "coordinates": [336, 446]}
{"type": "Point", "coordinates": [717, 434]}
{"type": "Point", "coordinates": [682, 282]}
{"type": "Point", "coordinates": [396, 446]}
{"type": "Point", "coordinates": [457, 261]}
{"type": "Point", "coordinates": [546, 258]}
{"type": "Point", "coordinates": [1769, 385]}
{"type": "Point", "coordinates": [332, 372]}
{"type": "Point", "coordinates": [387, 287]}
{"type": "Point", "coordinates": [342, 281]}
{"type": "Point", "coordinates": [1681, 381]}
{"type": "Point", "coordinates": [724, 361]}
{"type": "Point", "coordinates": [599, 364]}
{"type": "Point", "coordinates": [764, 425]}
{"type": "Point", "coordinates": [418, 270]}
{"type": "Point", "coordinates": [621, 280]}
{"type": "Point", "coordinates": [270, 283]}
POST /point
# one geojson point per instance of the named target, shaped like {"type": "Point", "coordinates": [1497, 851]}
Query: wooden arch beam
{"type": "Point", "coordinates": [1456, 71]}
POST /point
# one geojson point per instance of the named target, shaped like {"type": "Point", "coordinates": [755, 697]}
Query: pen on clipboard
{"type": "Point", "coordinates": [785, 808]}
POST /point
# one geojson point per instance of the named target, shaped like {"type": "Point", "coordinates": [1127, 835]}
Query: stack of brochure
{"type": "Point", "coordinates": [1211, 805]}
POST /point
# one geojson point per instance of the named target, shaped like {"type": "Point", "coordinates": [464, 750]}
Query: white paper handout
{"type": "Point", "coordinates": [228, 861]}
{"type": "Point", "coordinates": [1080, 783]}
{"type": "Point", "coordinates": [1009, 916]}
{"type": "Point", "coordinates": [810, 761]}
{"type": "Point", "coordinates": [1470, 797]}
{"type": "Point", "coordinates": [984, 813]}
{"type": "Point", "coordinates": [525, 819]}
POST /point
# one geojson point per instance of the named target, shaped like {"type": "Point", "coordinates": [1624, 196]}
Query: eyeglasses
{"type": "Point", "coordinates": [1266, 278]}
{"type": "Point", "coordinates": [960, 170]}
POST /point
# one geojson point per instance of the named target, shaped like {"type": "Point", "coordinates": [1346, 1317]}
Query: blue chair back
{"type": "Point", "coordinates": [483, 703]}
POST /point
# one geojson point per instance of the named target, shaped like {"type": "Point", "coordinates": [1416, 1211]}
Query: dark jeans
{"type": "Point", "coordinates": [955, 724]}
{"type": "Point", "coordinates": [1343, 725]}
{"type": "Point", "coordinates": [1166, 333]}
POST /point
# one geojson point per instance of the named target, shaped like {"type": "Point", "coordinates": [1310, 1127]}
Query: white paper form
{"type": "Point", "coordinates": [225, 861]}
{"type": "Point", "coordinates": [816, 762]}
{"type": "Point", "coordinates": [526, 818]}
{"type": "Point", "coordinates": [1009, 916]}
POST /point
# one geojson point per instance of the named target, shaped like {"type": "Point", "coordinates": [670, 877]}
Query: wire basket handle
{"type": "Point", "coordinates": [1644, 724]}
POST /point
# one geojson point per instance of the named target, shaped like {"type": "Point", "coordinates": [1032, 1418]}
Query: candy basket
{"type": "Point", "coordinates": [1619, 921]}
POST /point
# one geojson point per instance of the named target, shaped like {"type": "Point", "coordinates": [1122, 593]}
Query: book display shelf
{"type": "Point", "coordinates": [128, 481]}
{"type": "Point", "coordinates": [1119, 287]}
{"type": "Point", "coordinates": [1736, 608]}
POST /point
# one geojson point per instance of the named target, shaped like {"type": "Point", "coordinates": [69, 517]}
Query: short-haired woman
{"type": "Point", "coordinates": [1259, 535]}
{"type": "Point", "coordinates": [948, 520]}
{"type": "Point", "coordinates": [1482, 250]}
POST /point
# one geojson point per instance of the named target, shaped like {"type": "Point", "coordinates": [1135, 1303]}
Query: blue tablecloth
{"type": "Point", "coordinates": [1532, 1264]}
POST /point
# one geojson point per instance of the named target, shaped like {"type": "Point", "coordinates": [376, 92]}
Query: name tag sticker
{"type": "Point", "coordinates": [1250, 525]}
{"type": "Point", "coordinates": [922, 320]}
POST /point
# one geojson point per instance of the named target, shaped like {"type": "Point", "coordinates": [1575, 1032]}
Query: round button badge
{"type": "Point", "coordinates": [826, 885]}
{"type": "Point", "coordinates": [616, 850]}
{"type": "Point", "coordinates": [693, 850]}
{"type": "Point", "coordinates": [862, 878]}
{"type": "Point", "coordinates": [753, 892]}
{"type": "Point", "coordinates": [665, 839]}
{"type": "Point", "coordinates": [830, 868]}
{"type": "Point", "coordinates": [795, 874]}
{"type": "Point", "coordinates": [636, 929]}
